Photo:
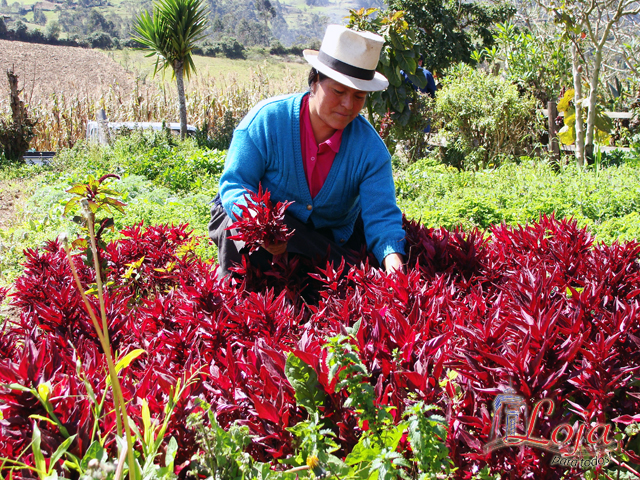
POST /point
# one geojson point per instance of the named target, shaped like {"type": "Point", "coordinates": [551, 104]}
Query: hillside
{"type": "Point", "coordinates": [295, 21]}
{"type": "Point", "coordinates": [47, 69]}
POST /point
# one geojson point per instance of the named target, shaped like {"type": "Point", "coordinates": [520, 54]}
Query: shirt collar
{"type": "Point", "coordinates": [334, 141]}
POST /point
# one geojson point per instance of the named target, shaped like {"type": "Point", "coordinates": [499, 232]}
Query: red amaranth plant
{"type": "Point", "coordinates": [261, 223]}
{"type": "Point", "coordinates": [539, 307]}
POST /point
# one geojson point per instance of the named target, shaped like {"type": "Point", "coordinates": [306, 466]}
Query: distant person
{"type": "Point", "coordinates": [315, 150]}
{"type": "Point", "coordinates": [429, 89]}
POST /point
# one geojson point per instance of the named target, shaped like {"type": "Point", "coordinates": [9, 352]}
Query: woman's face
{"type": "Point", "coordinates": [335, 104]}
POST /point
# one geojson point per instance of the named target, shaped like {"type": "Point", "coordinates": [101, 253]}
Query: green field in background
{"type": "Point", "coordinates": [222, 69]}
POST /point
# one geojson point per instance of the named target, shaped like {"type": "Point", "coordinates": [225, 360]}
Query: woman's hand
{"type": "Point", "coordinates": [393, 262]}
{"type": "Point", "coordinates": [276, 249]}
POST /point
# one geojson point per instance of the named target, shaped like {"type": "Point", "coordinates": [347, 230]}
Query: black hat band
{"type": "Point", "coordinates": [345, 68]}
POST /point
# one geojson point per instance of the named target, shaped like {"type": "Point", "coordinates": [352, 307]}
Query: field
{"type": "Point", "coordinates": [486, 269]}
{"type": "Point", "coordinates": [72, 83]}
{"type": "Point", "coordinates": [218, 69]}
{"type": "Point", "coordinates": [45, 70]}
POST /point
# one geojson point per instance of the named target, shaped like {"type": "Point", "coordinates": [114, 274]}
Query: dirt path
{"type": "Point", "coordinates": [11, 194]}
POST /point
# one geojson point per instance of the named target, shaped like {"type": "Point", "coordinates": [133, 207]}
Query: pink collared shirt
{"type": "Point", "coordinates": [317, 159]}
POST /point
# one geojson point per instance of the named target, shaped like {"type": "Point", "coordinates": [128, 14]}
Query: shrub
{"type": "Point", "coordinates": [231, 48]}
{"type": "Point", "coordinates": [482, 117]}
{"type": "Point", "coordinates": [100, 40]}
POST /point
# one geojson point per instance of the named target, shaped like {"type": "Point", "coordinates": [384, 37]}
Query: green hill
{"type": "Point", "coordinates": [294, 22]}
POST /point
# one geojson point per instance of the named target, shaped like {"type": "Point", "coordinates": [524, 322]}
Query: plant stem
{"type": "Point", "coordinates": [122, 419]}
{"type": "Point", "coordinates": [115, 381]}
{"type": "Point", "coordinates": [97, 328]}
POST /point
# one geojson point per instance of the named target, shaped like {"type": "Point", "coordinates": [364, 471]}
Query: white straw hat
{"type": "Point", "coordinates": [350, 57]}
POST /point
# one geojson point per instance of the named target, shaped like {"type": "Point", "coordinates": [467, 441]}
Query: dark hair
{"type": "Point", "coordinates": [315, 75]}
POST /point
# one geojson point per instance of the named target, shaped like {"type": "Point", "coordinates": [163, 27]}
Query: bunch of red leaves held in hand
{"type": "Point", "coordinates": [262, 224]}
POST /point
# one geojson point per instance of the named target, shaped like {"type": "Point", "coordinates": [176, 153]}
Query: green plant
{"type": "Point", "coordinates": [399, 53]}
{"type": "Point", "coordinates": [483, 116]}
{"type": "Point", "coordinates": [170, 35]}
{"type": "Point", "coordinates": [94, 197]}
{"type": "Point", "coordinates": [376, 453]}
{"type": "Point", "coordinates": [536, 63]}
{"type": "Point", "coordinates": [223, 455]}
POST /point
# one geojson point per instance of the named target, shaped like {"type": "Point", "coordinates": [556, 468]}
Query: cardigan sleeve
{"type": "Point", "coordinates": [381, 216]}
{"type": "Point", "coordinates": [244, 168]}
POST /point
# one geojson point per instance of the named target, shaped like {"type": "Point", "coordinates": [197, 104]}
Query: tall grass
{"type": "Point", "coordinates": [62, 119]}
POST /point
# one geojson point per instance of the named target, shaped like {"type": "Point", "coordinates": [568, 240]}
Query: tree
{"type": "Point", "coordinates": [398, 53]}
{"type": "Point", "coordinates": [53, 30]}
{"type": "Point", "coordinates": [448, 31]}
{"type": "Point", "coordinates": [170, 35]}
{"type": "Point", "coordinates": [265, 10]}
{"type": "Point", "coordinates": [39, 17]}
{"type": "Point", "coordinates": [590, 26]}
{"type": "Point", "coordinates": [252, 33]}
{"type": "Point", "coordinates": [96, 22]}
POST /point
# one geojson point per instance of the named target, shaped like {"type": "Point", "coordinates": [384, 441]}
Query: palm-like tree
{"type": "Point", "coordinates": [170, 35]}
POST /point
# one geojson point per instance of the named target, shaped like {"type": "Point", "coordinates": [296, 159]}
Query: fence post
{"type": "Point", "coordinates": [103, 127]}
{"type": "Point", "coordinates": [554, 146]}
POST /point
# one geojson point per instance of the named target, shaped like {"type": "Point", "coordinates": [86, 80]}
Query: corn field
{"type": "Point", "coordinates": [62, 119]}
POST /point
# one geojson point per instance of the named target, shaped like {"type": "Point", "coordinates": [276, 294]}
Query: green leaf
{"type": "Point", "coordinates": [391, 438]}
{"type": "Point", "coordinates": [44, 419]}
{"type": "Point", "coordinates": [603, 122]}
{"type": "Point", "coordinates": [363, 452]}
{"type": "Point", "coordinates": [17, 386]}
{"type": "Point", "coordinates": [69, 205]}
{"type": "Point", "coordinates": [146, 423]}
{"type": "Point", "coordinates": [96, 451]}
{"type": "Point", "coordinates": [392, 72]}
{"type": "Point", "coordinates": [78, 190]}
{"type": "Point", "coordinates": [304, 380]}
{"type": "Point", "coordinates": [406, 60]}
{"type": "Point", "coordinates": [128, 358]}
{"type": "Point", "coordinates": [354, 329]}
{"type": "Point", "coordinates": [419, 80]}
{"type": "Point", "coordinates": [570, 117]}
{"type": "Point", "coordinates": [93, 206]}
{"type": "Point", "coordinates": [38, 457]}
{"type": "Point", "coordinates": [384, 57]}
{"type": "Point", "coordinates": [109, 191]}
{"type": "Point", "coordinates": [170, 454]}
{"type": "Point", "coordinates": [397, 97]}
{"type": "Point", "coordinates": [61, 450]}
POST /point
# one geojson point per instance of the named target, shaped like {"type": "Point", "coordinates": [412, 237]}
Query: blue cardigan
{"type": "Point", "coordinates": [266, 149]}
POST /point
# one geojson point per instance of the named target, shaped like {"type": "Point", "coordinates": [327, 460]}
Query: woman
{"type": "Point", "coordinates": [315, 150]}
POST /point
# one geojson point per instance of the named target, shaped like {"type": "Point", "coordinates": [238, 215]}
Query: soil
{"type": "Point", "coordinates": [10, 195]}
{"type": "Point", "coordinates": [46, 69]}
